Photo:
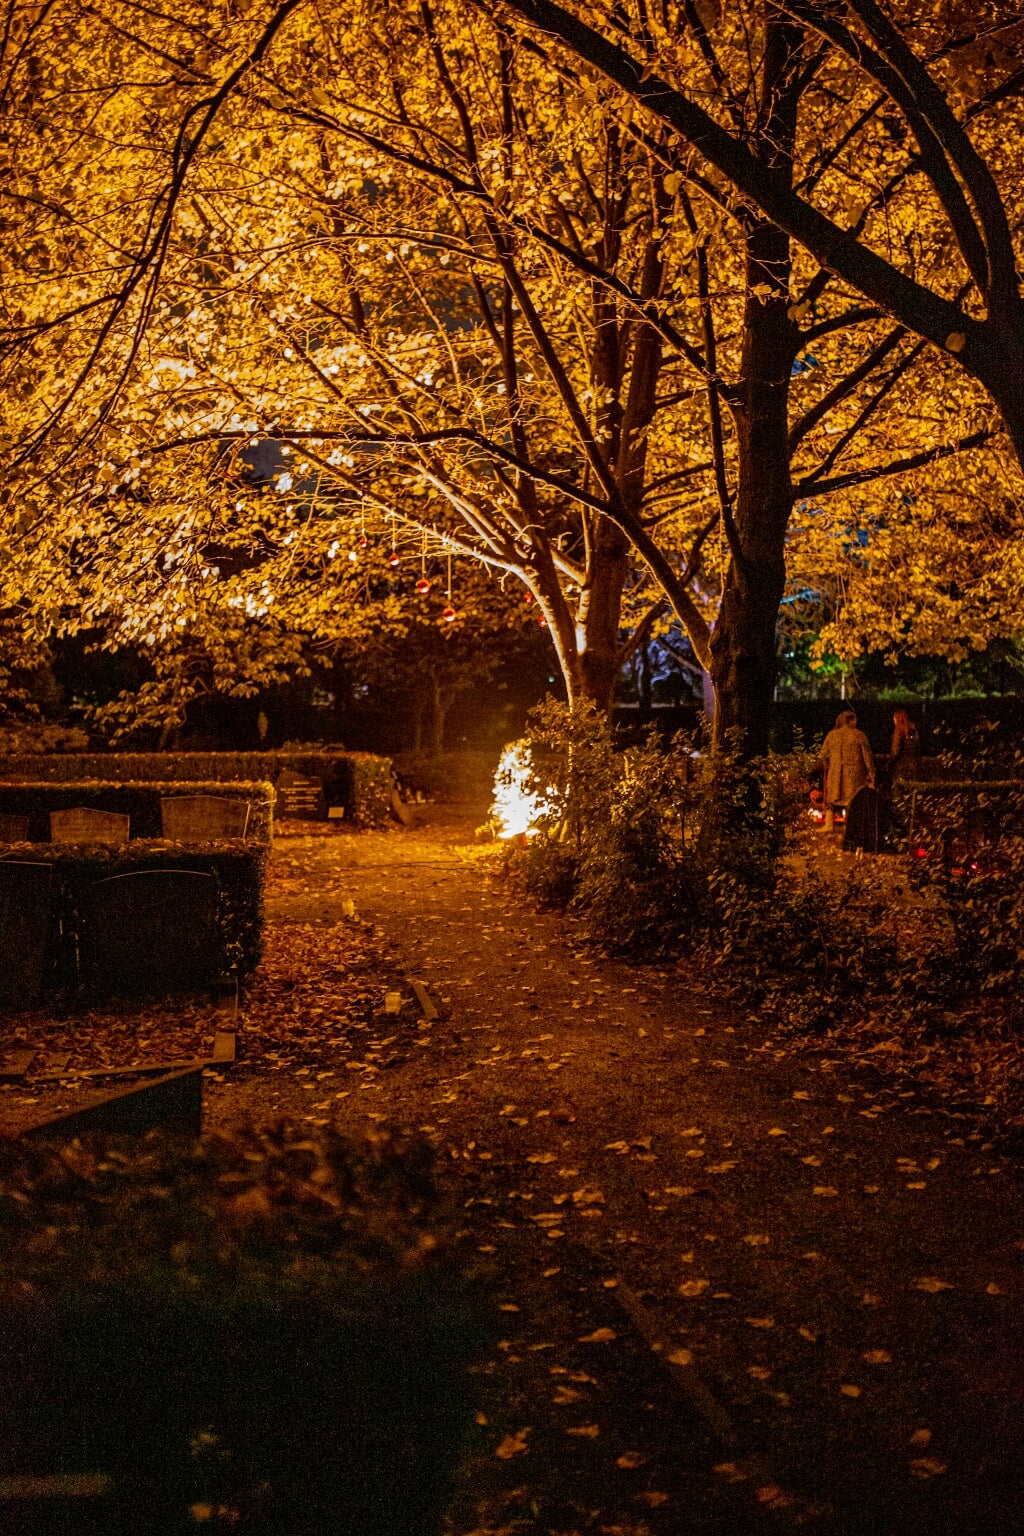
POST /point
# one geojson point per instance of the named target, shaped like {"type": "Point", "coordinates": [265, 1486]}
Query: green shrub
{"type": "Point", "coordinates": [264, 1333]}
{"type": "Point", "coordinates": [643, 843]}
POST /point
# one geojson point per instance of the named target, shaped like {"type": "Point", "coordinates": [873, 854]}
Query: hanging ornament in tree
{"type": "Point", "coordinates": [528, 599]}
{"type": "Point", "coordinates": [449, 615]}
{"type": "Point", "coordinates": [542, 621]}
{"type": "Point", "coordinates": [423, 585]}
{"type": "Point", "coordinates": [394, 558]}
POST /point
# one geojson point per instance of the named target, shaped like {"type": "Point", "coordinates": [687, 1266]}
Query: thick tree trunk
{"type": "Point", "coordinates": [743, 649]}
{"type": "Point", "coordinates": [600, 616]}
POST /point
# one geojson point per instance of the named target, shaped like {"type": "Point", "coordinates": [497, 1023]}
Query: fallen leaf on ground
{"type": "Point", "coordinates": [567, 1395]}
{"type": "Point", "coordinates": [849, 1390]}
{"type": "Point", "coordinates": [630, 1460]}
{"type": "Point", "coordinates": [927, 1466]}
{"type": "Point", "coordinates": [586, 1431]}
{"type": "Point", "coordinates": [759, 1372]}
{"type": "Point", "coordinates": [930, 1284]}
{"type": "Point", "coordinates": [725, 1167]}
{"type": "Point", "coordinates": [512, 1445]}
{"type": "Point", "coordinates": [761, 1322]}
{"type": "Point", "coordinates": [653, 1499]}
{"type": "Point", "coordinates": [599, 1336]}
{"type": "Point", "coordinates": [877, 1357]}
{"type": "Point", "coordinates": [693, 1287]}
{"type": "Point", "coordinates": [757, 1239]}
{"type": "Point", "coordinates": [680, 1357]}
{"type": "Point", "coordinates": [825, 1189]}
{"type": "Point", "coordinates": [921, 1437]}
{"type": "Point", "coordinates": [541, 1157]}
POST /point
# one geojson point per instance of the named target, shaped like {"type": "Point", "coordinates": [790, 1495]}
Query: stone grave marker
{"type": "Point", "coordinates": [300, 797]}
{"type": "Point", "coordinates": [24, 931]}
{"type": "Point", "coordinates": [82, 825]}
{"type": "Point", "coordinates": [13, 829]}
{"type": "Point", "coordinates": [153, 931]}
{"type": "Point", "coordinates": [203, 818]}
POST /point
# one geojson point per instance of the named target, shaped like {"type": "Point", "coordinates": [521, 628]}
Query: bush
{"type": "Point", "coordinates": [265, 1333]}
{"type": "Point", "coordinates": [650, 845]}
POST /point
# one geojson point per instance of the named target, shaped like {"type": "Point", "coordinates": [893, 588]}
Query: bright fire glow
{"type": "Point", "coordinates": [517, 807]}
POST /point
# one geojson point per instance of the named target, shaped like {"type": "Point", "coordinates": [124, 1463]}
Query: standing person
{"type": "Point", "coordinates": [848, 763]}
{"type": "Point", "coordinates": [905, 749]}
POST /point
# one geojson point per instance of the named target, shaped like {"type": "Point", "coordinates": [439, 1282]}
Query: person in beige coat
{"type": "Point", "coordinates": [849, 765]}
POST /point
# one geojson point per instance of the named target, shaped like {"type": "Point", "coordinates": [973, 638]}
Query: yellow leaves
{"type": "Point", "coordinates": [827, 1191]}
{"type": "Point", "coordinates": [931, 1285]}
{"type": "Point", "coordinates": [565, 1395]}
{"type": "Point", "coordinates": [680, 1357]}
{"type": "Point", "coordinates": [813, 1161]}
{"type": "Point", "coordinates": [759, 1372]}
{"type": "Point", "coordinates": [810, 1334]}
{"type": "Point", "coordinates": [512, 1445]}
{"type": "Point", "coordinates": [725, 1167]}
{"type": "Point", "coordinates": [672, 182]}
{"type": "Point", "coordinates": [877, 1357]}
{"type": "Point", "coordinates": [760, 1322]}
{"type": "Point", "coordinates": [921, 1437]}
{"type": "Point", "coordinates": [679, 1191]}
{"type": "Point", "coordinates": [757, 1239]}
{"type": "Point", "coordinates": [541, 1157]}
{"type": "Point", "coordinates": [630, 1460]}
{"type": "Point", "coordinates": [956, 341]}
{"type": "Point", "coordinates": [599, 1336]}
{"type": "Point", "coordinates": [849, 1390]}
{"type": "Point", "coordinates": [585, 1431]}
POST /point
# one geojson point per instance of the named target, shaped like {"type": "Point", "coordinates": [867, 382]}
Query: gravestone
{"type": "Point", "coordinates": [300, 797]}
{"type": "Point", "coordinates": [203, 818]}
{"type": "Point", "coordinates": [865, 822]}
{"type": "Point", "coordinates": [13, 829]}
{"type": "Point", "coordinates": [154, 931]}
{"type": "Point", "coordinates": [82, 825]}
{"type": "Point", "coordinates": [24, 931]}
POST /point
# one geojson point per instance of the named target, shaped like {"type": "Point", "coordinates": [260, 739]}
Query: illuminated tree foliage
{"type": "Point", "coordinates": [486, 301]}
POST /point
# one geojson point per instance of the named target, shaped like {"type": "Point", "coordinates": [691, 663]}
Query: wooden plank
{"type": "Point", "coordinates": [16, 1064]}
{"type": "Point", "coordinates": [173, 1102]}
{"type": "Point", "coordinates": [428, 1007]}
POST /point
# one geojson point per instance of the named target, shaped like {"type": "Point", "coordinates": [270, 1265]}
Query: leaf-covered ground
{"type": "Point", "coordinates": [740, 1285]}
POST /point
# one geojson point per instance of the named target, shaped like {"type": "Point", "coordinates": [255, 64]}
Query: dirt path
{"type": "Point", "coordinates": [836, 1274]}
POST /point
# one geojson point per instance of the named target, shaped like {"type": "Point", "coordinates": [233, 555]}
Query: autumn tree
{"type": "Point", "coordinates": [480, 297]}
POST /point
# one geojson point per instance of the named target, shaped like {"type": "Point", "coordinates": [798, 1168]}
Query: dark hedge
{"type": "Point", "coordinates": [140, 800]}
{"type": "Point", "coordinates": [239, 865]}
{"type": "Point", "coordinates": [359, 781]}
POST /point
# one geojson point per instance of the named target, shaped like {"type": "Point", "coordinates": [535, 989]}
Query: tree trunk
{"type": "Point", "coordinates": [600, 613]}
{"type": "Point", "coordinates": [438, 716]}
{"type": "Point", "coordinates": [743, 649]}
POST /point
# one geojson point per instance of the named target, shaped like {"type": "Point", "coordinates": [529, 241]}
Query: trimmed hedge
{"type": "Point", "coordinates": [238, 864]}
{"type": "Point", "coordinates": [140, 800]}
{"type": "Point", "coordinates": [264, 1332]}
{"type": "Point", "coordinates": [359, 781]}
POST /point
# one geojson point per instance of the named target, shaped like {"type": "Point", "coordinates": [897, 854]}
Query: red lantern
{"type": "Point", "coordinates": [542, 621]}
{"type": "Point", "coordinates": [528, 599]}
{"type": "Point", "coordinates": [394, 558]}
{"type": "Point", "coordinates": [423, 586]}
{"type": "Point", "coordinates": [449, 615]}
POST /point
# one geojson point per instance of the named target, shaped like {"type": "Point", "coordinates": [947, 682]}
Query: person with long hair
{"type": "Point", "coordinates": [846, 756]}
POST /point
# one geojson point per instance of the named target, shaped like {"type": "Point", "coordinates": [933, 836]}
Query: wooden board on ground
{"type": "Point", "coordinates": [428, 1007]}
{"type": "Point", "coordinates": [173, 1102]}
